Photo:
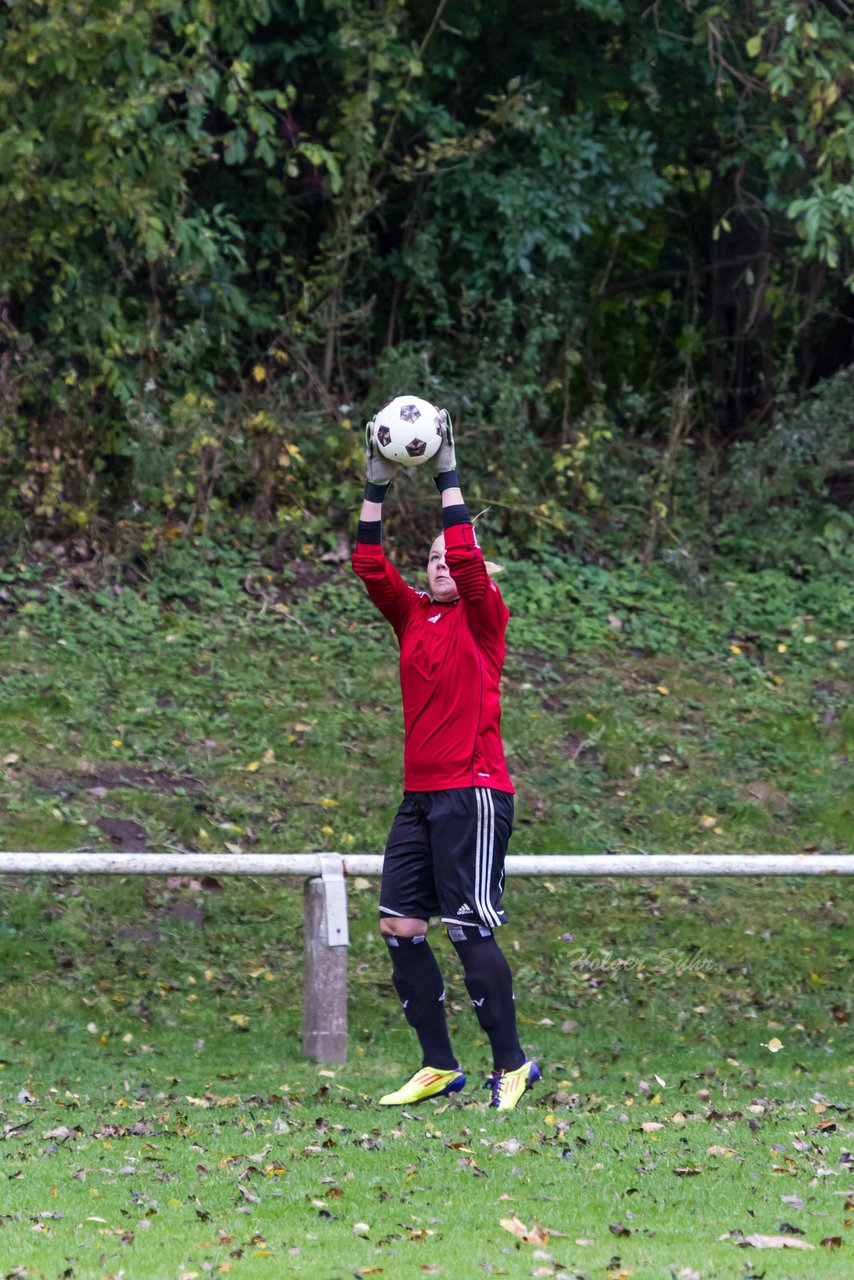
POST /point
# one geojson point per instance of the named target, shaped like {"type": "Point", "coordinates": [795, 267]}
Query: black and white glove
{"type": "Point", "coordinates": [379, 469]}
{"type": "Point", "coordinates": [444, 461]}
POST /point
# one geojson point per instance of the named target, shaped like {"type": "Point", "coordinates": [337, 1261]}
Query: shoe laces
{"type": "Point", "coordinates": [494, 1083]}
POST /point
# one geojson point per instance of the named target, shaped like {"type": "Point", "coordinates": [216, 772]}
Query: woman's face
{"type": "Point", "coordinates": [442, 585]}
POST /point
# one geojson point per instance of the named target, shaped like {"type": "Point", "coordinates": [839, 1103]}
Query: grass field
{"type": "Point", "coordinates": [156, 1118]}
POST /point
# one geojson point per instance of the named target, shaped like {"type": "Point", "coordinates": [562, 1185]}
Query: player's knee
{"type": "Point", "coordinates": [402, 927]}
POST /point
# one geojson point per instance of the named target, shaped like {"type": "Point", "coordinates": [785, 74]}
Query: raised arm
{"type": "Point", "coordinates": [382, 582]}
{"type": "Point", "coordinates": [487, 611]}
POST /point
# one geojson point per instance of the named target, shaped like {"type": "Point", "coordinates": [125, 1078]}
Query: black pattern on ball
{"type": "Point", "coordinates": [416, 448]}
{"type": "Point", "coordinates": [410, 413]}
{"type": "Point", "coordinates": [384, 435]}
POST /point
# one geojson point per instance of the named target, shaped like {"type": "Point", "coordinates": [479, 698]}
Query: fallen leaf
{"type": "Point", "coordinates": [535, 1234]}
{"type": "Point", "coordinates": [772, 1242]}
{"type": "Point", "coordinates": [511, 1146]}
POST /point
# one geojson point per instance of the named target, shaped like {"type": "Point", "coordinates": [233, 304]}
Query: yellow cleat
{"type": "Point", "coordinates": [508, 1086]}
{"type": "Point", "coordinates": [428, 1082]}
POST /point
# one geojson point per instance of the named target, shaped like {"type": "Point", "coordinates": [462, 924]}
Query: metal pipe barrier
{"type": "Point", "coordinates": [325, 929]}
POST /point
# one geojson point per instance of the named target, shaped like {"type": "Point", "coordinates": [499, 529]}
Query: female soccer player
{"type": "Point", "coordinates": [445, 852]}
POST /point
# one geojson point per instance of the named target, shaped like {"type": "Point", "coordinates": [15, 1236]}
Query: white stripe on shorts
{"type": "Point", "coordinates": [484, 856]}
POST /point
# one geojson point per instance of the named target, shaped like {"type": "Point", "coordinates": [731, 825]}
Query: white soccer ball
{"type": "Point", "coordinates": [408, 430]}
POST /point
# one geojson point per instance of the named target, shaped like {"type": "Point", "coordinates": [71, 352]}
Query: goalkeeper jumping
{"type": "Point", "coordinates": [445, 852]}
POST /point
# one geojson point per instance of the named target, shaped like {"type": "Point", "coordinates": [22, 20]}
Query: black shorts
{"type": "Point", "coordinates": [445, 856]}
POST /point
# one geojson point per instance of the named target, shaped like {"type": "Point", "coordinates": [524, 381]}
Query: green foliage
{"type": "Point", "coordinates": [787, 495]}
{"type": "Point", "coordinates": [804, 62]}
{"type": "Point", "coordinates": [221, 224]}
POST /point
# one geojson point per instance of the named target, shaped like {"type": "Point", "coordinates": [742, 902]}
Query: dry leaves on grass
{"type": "Point", "coordinates": [535, 1234]}
{"type": "Point", "coordinates": [766, 1242]}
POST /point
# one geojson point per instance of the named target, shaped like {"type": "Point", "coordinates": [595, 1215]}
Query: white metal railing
{"type": "Point", "coordinates": [367, 864]}
{"type": "Point", "coordinates": [325, 929]}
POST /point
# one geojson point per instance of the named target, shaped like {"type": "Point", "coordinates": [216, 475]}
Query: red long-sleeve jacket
{"type": "Point", "coordinates": [451, 656]}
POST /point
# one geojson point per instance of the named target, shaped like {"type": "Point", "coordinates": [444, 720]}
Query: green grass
{"type": "Point", "coordinates": [163, 1084]}
{"type": "Point", "coordinates": [224, 703]}
{"type": "Point", "coordinates": [156, 1116]}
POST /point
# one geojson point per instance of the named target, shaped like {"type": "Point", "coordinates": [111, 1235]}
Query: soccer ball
{"type": "Point", "coordinates": [408, 430]}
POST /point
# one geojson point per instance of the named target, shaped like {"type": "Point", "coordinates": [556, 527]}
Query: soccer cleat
{"type": "Point", "coordinates": [428, 1082]}
{"type": "Point", "coordinates": [508, 1086]}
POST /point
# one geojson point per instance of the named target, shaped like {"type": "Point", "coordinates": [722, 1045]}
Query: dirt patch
{"type": "Point", "coordinates": [554, 667]}
{"type": "Point", "coordinates": [764, 793]}
{"type": "Point", "coordinates": [98, 779]}
{"type": "Point", "coordinates": [129, 836]}
{"type": "Point", "coordinates": [580, 751]}
{"type": "Point", "coordinates": [184, 911]}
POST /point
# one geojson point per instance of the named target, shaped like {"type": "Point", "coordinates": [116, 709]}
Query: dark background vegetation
{"type": "Point", "coordinates": [613, 237]}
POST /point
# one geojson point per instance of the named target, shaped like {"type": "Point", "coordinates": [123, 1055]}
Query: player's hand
{"type": "Point", "coordinates": [378, 468]}
{"type": "Point", "coordinates": [445, 459]}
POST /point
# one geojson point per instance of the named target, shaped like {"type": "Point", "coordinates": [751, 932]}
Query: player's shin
{"type": "Point", "coordinates": [489, 983]}
{"type": "Point", "coordinates": [418, 983]}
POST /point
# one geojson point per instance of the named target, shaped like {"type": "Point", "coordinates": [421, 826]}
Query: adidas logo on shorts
{"type": "Point", "coordinates": [465, 910]}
